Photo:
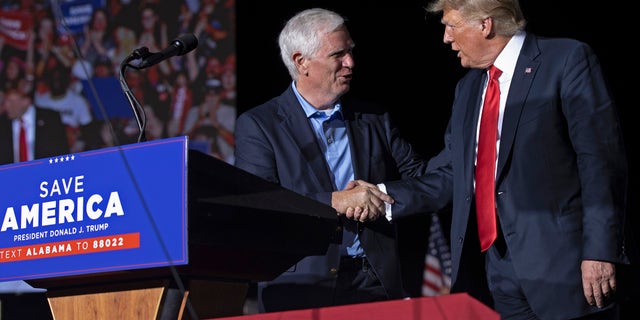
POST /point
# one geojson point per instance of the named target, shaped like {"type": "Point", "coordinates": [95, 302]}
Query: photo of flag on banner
{"type": "Point", "coordinates": [437, 268]}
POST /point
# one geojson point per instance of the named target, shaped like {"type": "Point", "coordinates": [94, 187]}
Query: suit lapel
{"type": "Point", "coordinates": [469, 129]}
{"type": "Point", "coordinates": [295, 123]}
{"type": "Point", "coordinates": [521, 82]}
{"type": "Point", "coordinates": [362, 149]}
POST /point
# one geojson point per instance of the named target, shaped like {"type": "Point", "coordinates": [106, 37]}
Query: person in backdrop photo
{"type": "Point", "coordinates": [65, 97]}
{"type": "Point", "coordinates": [556, 169]}
{"type": "Point", "coordinates": [214, 113]}
{"type": "Point", "coordinates": [45, 134]}
{"type": "Point", "coordinates": [313, 138]}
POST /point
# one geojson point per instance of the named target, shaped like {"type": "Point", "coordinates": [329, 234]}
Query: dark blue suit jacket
{"type": "Point", "coordinates": [561, 176]}
{"type": "Point", "coordinates": [276, 142]}
{"type": "Point", "coordinates": [51, 137]}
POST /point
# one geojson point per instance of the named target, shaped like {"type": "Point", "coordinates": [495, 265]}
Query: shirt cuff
{"type": "Point", "coordinates": [387, 206]}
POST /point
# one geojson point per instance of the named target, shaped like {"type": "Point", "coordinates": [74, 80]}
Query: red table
{"type": "Point", "coordinates": [449, 307]}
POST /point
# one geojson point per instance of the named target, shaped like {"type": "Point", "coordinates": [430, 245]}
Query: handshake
{"type": "Point", "coordinates": [360, 201]}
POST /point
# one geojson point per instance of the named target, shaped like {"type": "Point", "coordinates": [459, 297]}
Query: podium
{"type": "Point", "coordinates": [240, 229]}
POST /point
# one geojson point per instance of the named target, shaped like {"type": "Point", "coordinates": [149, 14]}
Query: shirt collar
{"type": "Point", "coordinates": [508, 57]}
{"type": "Point", "coordinates": [28, 116]}
{"type": "Point", "coordinates": [310, 111]}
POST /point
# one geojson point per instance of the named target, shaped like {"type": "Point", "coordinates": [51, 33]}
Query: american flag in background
{"type": "Point", "coordinates": [437, 267]}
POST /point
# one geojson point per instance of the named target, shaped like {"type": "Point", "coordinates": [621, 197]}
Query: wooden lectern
{"type": "Point", "coordinates": [241, 229]}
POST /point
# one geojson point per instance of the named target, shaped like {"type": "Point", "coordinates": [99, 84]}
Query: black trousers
{"type": "Point", "coordinates": [508, 298]}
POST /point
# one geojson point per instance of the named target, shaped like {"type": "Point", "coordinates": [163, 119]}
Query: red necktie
{"type": "Point", "coordinates": [23, 142]}
{"type": "Point", "coordinates": [486, 162]}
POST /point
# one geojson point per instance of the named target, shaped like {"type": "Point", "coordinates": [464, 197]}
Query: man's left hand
{"type": "Point", "coordinates": [598, 281]}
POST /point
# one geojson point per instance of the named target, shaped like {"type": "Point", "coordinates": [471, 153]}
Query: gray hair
{"type": "Point", "coordinates": [506, 14]}
{"type": "Point", "coordinates": [304, 32]}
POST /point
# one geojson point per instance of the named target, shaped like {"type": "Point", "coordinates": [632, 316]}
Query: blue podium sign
{"type": "Point", "coordinates": [117, 208]}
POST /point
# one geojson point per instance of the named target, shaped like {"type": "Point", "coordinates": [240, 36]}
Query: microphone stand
{"type": "Point", "coordinates": [138, 110]}
{"type": "Point", "coordinates": [141, 119]}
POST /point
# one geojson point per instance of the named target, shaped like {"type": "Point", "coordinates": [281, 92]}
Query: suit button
{"type": "Point", "coordinates": [334, 271]}
{"type": "Point", "coordinates": [339, 229]}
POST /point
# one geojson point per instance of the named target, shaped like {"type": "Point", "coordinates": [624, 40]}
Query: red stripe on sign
{"type": "Point", "coordinates": [71, 247]}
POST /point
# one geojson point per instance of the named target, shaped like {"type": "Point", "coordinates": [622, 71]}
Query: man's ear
{"type": "Point", "coordinates": [487, 27]}
{"type": "Point", "coordinates": [300, 62]}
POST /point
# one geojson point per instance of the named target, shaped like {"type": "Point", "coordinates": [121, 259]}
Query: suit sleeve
{"type": "Point", "coordinates": [253, 152]}
{"type": "Point", "coordinates": [430, 192]}
{"type": "Point", "coordinates": [596, 136]}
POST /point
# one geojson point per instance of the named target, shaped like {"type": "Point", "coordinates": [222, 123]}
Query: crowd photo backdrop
{"type": "Point", "coordinates": [68, 55]}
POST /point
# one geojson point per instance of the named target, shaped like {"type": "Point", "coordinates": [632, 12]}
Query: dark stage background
{"type": "Point", "coordinates": [402, 63]}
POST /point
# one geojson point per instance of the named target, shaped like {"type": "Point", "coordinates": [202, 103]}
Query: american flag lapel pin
{"type": "Point", "coordinates": [527, 70]}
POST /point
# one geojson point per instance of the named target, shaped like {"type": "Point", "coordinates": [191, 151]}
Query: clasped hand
{"type": "Point", "coordinates": [360, 201]}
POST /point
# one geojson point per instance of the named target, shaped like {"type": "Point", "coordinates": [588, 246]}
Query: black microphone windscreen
{"type": "Point", "coordinates": [188, 42]}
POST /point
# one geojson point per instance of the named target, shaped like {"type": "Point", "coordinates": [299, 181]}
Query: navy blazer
{"type": "Point", "coordinates": [50, 140]}
{"type": "Point", "coordinates": [561, 175]}
{"type": "Point", "coordinates": [275, 141]}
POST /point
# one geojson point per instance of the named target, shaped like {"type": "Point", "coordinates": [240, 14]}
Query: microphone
{"type": "Point", "coordinates": [181, 45]}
